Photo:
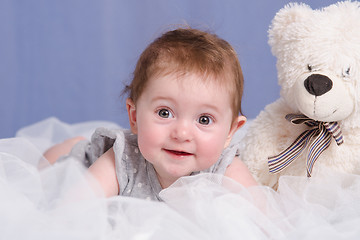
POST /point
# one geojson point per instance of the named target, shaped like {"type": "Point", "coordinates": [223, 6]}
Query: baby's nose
{"type": "Point", "coordinates": [182, 131]}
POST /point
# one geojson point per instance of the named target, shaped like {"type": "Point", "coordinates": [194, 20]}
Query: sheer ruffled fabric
{"type": "Point", "coordinates": [62, 201]}
{"type": "Point", "coordinates": [324, 207]}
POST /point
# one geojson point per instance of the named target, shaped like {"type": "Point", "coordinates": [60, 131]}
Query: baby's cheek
{"type": "Point", "coordinates": [146, 142]}
{"type": "Point", "coordinates": [210, 151]}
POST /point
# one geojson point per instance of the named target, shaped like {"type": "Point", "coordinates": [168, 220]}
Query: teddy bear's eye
{"type": "Point", "coordinates": [309, 67]}
{"type": "Point", "coordinates": [346, 72]}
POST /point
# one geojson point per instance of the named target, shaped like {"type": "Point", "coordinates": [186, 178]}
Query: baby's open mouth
{"type": "Point", "coordinates": [179, 153]}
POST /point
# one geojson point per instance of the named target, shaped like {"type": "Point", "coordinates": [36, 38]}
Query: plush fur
{"type": "Point", "coordinates": [306, 42]}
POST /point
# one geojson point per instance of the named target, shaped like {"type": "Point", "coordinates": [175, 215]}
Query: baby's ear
{"type": "Point", "coordinates": [131, 109]}
{"type": "Point", "coordinates": [238, 123]}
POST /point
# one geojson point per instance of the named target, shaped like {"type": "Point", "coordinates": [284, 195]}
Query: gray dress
{"type": "Point", "coordinates": [136, 176]}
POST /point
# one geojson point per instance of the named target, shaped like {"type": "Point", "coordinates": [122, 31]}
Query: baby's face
{"type": "Point", "coordinates": [183, 124]}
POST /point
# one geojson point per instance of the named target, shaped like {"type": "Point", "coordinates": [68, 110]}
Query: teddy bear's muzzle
{"type": "Point", "coordinates": [317, 84]}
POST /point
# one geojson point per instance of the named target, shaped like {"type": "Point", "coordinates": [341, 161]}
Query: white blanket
{"type": "Point", "coordinates": [39, 201]}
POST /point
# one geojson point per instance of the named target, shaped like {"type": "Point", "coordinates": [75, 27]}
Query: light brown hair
{"type": "Point", "coordinates": [190, 50]}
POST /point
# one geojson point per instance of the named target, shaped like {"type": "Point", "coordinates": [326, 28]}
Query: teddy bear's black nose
{"type": "Point", "coordinates": [317, 84]}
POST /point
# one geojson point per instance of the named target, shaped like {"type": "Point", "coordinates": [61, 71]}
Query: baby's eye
{"type": "Point", "coordinates": [205, 120]}
{"type": "Point", "coordinates": [165, 113]}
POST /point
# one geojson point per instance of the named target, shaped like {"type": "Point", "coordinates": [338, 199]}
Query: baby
{"type": "Point", "coordinates": [184, 107]}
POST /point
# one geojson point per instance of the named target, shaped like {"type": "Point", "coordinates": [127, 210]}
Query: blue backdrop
{"type": "Point", "coordinates": [71, 58]}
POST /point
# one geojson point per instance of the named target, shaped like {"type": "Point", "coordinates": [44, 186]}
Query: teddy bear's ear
{"type": "Point", "coordinates": [287, 25]}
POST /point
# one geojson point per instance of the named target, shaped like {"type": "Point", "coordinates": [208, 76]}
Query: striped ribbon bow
{"type": "Point", "coordinates": [319, 136]}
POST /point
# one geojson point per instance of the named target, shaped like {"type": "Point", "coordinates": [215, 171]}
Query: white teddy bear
{"type": "Point", "coordinates": [316, 122]}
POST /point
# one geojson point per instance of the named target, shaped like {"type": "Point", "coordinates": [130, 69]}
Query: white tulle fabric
{"type": "Point", "coordinates": [39, 201]}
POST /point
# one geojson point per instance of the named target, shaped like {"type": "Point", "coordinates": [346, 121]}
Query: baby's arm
{"type": "Point", "coordinates": [61, 149]}
{"type": "Point", "coordinates": [238, 171]}
{"type": "Point", "coordinates": [103, 169]}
